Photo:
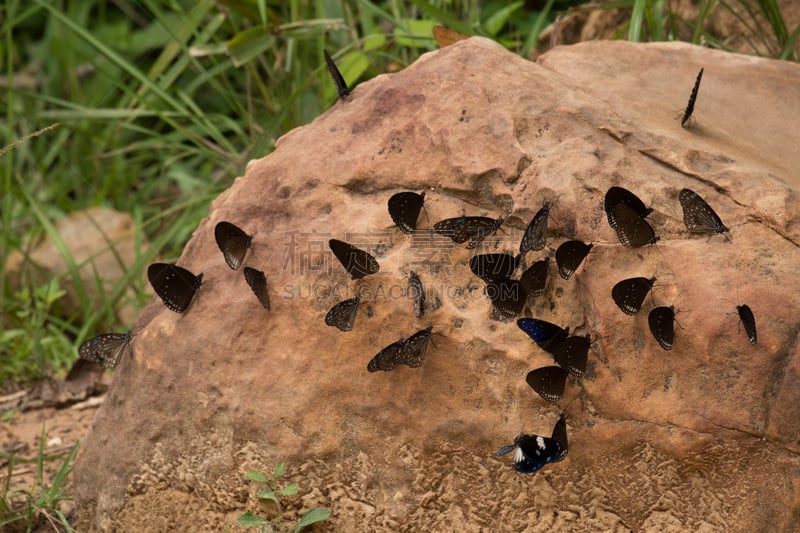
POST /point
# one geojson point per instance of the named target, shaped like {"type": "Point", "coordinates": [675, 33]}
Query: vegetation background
{"type": "Point", "coordinates": [153, 107]}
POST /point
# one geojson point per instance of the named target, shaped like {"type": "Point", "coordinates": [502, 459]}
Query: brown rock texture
{"type": "Point", "coordinates": [702, 438]}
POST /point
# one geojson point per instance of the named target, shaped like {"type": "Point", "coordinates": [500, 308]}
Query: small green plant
{"type": "Point", "coordinates": [29, 509]}
{"type": "Point", "coordinates": [274, 492]}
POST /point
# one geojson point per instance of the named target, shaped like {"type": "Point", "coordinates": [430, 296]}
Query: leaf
{"type": "Point", "coordinates": [267, 494]}
{"type": "Point", "coordinates": [280, 470]}
{"type": "Point", "coordinates": [495, 23]}
{"type": "Point", "coordinates": [288, 490]}
{"type": "Point", "coordinates": [414, 33]}
{"type": "Point", "coordinates": [312, 516]}
{"type": "Point", "coordinates": [249, 43]}
{"type": "Point", "coordinates": [255, 475]}
{"type": "Point", "coordinates": [251, 520]}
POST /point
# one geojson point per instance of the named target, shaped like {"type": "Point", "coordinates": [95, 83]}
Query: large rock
{"type": "Point", "coordinates": [703, 438]}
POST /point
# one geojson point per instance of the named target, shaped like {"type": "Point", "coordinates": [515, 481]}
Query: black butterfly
{"type": "Point", "coordinates": [258, 283]}
{"type": "Point", "coordinates": [545, 334]}
{"type": "Point", "coordinates": [413, 351]}
{"type": "Point", "coordinates": [532, 452]}
{"type": "Point", "coordinates": [463, 229]}
{"type": "Point", "coordinates": [507, 296]}
{"type": "Point", "coordinates": [341, 86]}
{"type": "Point", "coordinates": [535, 237]}
{"type": "Point", "coordinates": [404, 208]}
{"type": "Point", "coordinates": [357, 262]}
{"type": "Point", "coordinates": [572, 353]}
{"type": "Point", "coordinates": [494, 267]}
{"type": "Point", "coordinates": [175, 285]}
{"type": "Point", "coordinates": [233, 242]}
{"type": "Point", "coordinates": [569, 257]}
{"type": "Point", "coordinates": [629, 294]}
{"type": "Point", "coordinates": [385, 359]}
{"type": "Point", "coordinates": [692, 98]}
{"type": "Point", "coordinates": [618, 195]}
{"type": "Point", "coordinates": [343, 314]}
{"type": "Point", "coordinates": [698, 215]}
{"type": "Point", "coordinates": [548, 382]}
{"type": "Point", "coordinates": [748, 321]}
{"type": "Point", "coordinates": [106, 349]}
{"type": "Point", "coordinates": [534, 280]}
{"type": "Point", "coordinates": [415, 286]}
{"type": "Point", "coordinates": [632, 230]}
{"type": "Point", "coordinates": [661, 321]}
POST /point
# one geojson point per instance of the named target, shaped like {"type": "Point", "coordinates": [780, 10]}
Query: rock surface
{"type": "Point", "coordinates": [704, 437]}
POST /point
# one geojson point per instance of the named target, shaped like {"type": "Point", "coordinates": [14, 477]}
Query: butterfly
{"type": "Point", "coordinates": [535, 236]}
{"type": "Point", "coordinates": [632, 230]}
{"type": "Point", "coordinates": [569, 257]}
{"type": "Point", "coordinates": [175, 285]}
{"type": "Point", "coordinates": [413, 351]}
{"type": "Point", "coordinates": [548, 382]}
{"type": "Point", "coordinates": [494, 267]}
{"type": "Point", "coordinates": [341, 86]}
{"type": "Point", "coordinates": [106, 349]}
{"type": "Point", "coordinates": [748, 321]}
{"type": "Point", "coordinates": [343, 314]}
{"type": "Point", "coordinates": [629, 293]}
{"type": "Point", "coordinates": [446, 37]}
{"type": "Point", "coordinates": [545, 334]}
{"type": "Point", "coordinates": [661, 322]}
{"type": "Point", "coordinates": [532, 452]}
{"type": "Point", "coordinates": [698, 215]}
{"type": "Point", "coordinates": [463, 229]}
{"type": "Point", "coordinates": [692, 98]}
{"type": "Point", "coordinates": [358, 263]}
{"type": "Point", "coordinates": [233, 242]}
{"type": "Point", "coordinates": [507, 296]}
{"type": "Point", "coordinates": [404, 208]}
{"type": "Point", "coordinates": [385, 359]}
{"type": "Point", "coordinates": [572, 353]}
{"type": "Point", "coordinates": [619, 195]}
{"type": "Point", "coordinates": [258, 283]}
{"type": "Point", "coordinates": [415, 286]}
{"type": "Point", "coordinates": [534, 280]}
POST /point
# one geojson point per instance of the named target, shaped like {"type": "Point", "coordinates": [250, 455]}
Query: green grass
{"type": "Point", "coordinates": [154, 110]}
{"type": "Point", "coordinates": [31, 508]}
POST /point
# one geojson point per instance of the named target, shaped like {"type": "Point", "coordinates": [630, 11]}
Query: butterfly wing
{"type": "Point", "coordinates": [698, 215]}
{"type": "Point", "coordinates": [343, 314]}
{"type": "Point", "coordinates": [507, 296]}
{"type": "Point", "coordinates": [258, 283]}
{"type": "Point", "coordinates": [535, 236]}
{"type": "Point", "coordinates": [413, 351]}
{"type": "Point", "coordinates": [494, 267]}
{"type": "Point", "coordinates": [632, 230]}
{"type": "Point", "coordinates": [175, 285]}
{"type": "Point", "coordinates": [463, 229]}
{"type": "Point", "coordinates": [629, 294]}
{"type": "Point", "coordinates": [661, 322]}
{"type": "Point", "coordinates": [341, 85]}
{"type": "Point", "coordinates": [545, 334]}
{"type": "Point", "coordinates": [618, 195]}
{"type": "Point", "coordinates": [560, 436]}
{"type": "Point", "coordinates": [534, 280]}
{"type": "Point", "coordinates": [548, 382]}
{"type": "Point", "coordinates": [572, 354]}
{"type": "Point", "coordinates": [534, 451]}
{"type": "Point", "coordinates": [748, 321]}
{"type": "Point", "coordinates": [404, 208]}
{"type": "Point", "coordinates": [385, 359]}
{"type": "Point", "coordinates": [569, 257]}
{"type": "Point", "coordinates": [233, 242]}
{"type": "Point", "coordinates": [106, 349]}
{"type": "Point", "coordinates": [357, 262]}
{"type": "Point", "coordinates": [415, 286]}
